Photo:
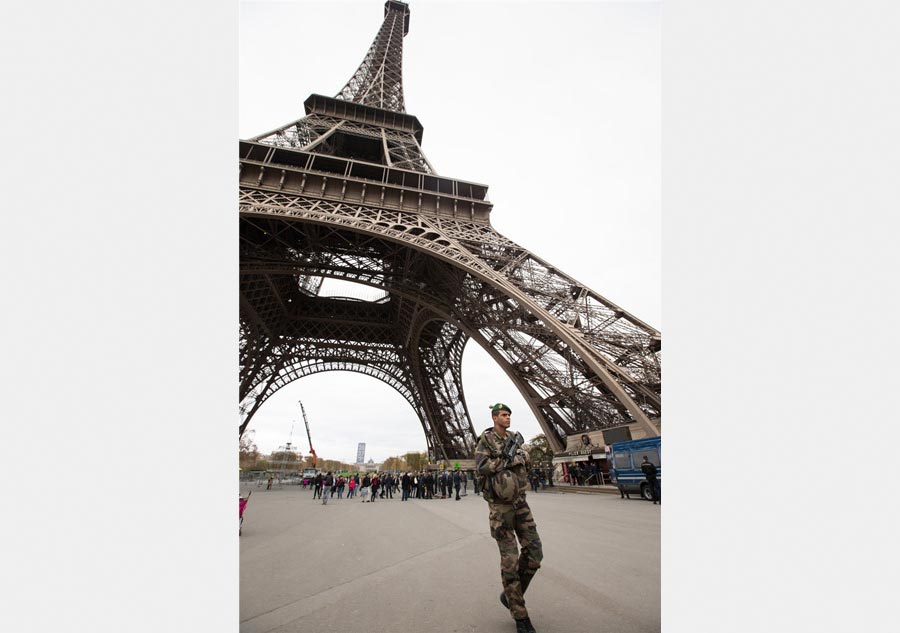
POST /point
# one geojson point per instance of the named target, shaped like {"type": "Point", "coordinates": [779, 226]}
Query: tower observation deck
{"type": "Point", "coordinates": [346, 192]}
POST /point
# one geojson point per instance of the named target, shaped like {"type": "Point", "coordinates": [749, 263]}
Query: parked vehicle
{"type": "Point", "coordinates": [309, 474]}
{"type": "Point", "coordinates": [625, 465]}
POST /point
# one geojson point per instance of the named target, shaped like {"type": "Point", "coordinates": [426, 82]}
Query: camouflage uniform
{"type": "Point", "coordinates": [509, 520]}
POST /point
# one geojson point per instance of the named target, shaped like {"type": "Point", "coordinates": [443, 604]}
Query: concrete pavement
{"type": "Point", "coordinates": [414, 566]}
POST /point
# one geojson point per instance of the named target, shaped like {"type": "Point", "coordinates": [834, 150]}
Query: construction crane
{"type": "Point", "coordinates": [306, 422]}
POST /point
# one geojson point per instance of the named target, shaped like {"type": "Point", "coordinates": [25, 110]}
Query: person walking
{"type": "Point", "coordinates": [429, 486]}
{"type": "Point", "coordinates": [364, 493]}
{"type": "Point", "coordinates": [376, 484]}
{"type": "Point", "coordinates": [649, 471]}
{"type": "Point", "coordinates": [327, 487]}
{"type": "Point", "coordinates": [456, 482]}
{"type": "Point", "coordinates": [317, 486]}
{"type": "Point", "coordinates": [405, 486]}
{"type": "Point", "coordinates": [504, 484]}
{"type": "Point", "coordinates": [351, 486]}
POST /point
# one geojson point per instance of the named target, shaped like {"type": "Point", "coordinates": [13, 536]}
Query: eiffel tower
{"type": "Point", "coordinates": [347, 193]}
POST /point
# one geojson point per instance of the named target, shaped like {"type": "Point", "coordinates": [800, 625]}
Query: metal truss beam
{"type": "Point", "coordinates": [346, 192]}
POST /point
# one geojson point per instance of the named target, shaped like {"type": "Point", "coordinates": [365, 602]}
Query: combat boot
{"type": "Point", "coordinates": [524, 626]}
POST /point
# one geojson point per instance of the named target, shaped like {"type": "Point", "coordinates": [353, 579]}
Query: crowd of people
{"type": "Point", "coordinates": [586, 474]}
{"type": "Point", "coordinates": [443, 484]}
{"type": "Point", "coordinates": [540, 478]}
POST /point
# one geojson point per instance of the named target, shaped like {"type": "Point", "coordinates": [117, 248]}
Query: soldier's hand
{"type": "Point", "coordinates": [520, 458]}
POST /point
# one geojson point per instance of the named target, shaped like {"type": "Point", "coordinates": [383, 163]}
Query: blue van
{"type": "Point", "coordinates": [625, 460]}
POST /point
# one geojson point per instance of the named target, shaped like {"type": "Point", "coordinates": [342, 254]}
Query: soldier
{"type": "Point", "coordinates": [503, 485]}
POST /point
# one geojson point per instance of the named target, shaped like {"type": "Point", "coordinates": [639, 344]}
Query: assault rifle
{"type": "Point", "coordinates": [513, 442]}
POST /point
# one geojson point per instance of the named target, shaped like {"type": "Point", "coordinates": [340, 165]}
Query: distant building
{"type": "Point", "coordinates": [361, 453]}
{"type": "Point", "coordinates": [370, 466]}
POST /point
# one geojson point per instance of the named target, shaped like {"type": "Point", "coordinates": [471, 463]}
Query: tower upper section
{"type": "Point", "coordinates": [364, 135]}
{"type": "Point", "coordinates": [378, 81]}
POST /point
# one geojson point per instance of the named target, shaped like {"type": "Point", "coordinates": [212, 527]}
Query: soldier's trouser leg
{"type": "Point", "coordinates": [532, 552]}
{"type": "Point", "coordinates": [516, 569]}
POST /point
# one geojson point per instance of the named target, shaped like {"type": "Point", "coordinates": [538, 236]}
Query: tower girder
{"type": "Point", "coordinates": [347, 193]}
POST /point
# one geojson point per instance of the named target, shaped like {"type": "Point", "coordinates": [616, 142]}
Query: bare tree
{"type": "Point", "coordinates": [248, 453]}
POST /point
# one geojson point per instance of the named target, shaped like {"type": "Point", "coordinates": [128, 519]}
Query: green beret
{"type": "Point", "coordinates": [500, 407]}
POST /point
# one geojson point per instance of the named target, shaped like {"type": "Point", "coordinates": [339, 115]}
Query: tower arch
{"type": "Point", "coordinates": [347, 192]}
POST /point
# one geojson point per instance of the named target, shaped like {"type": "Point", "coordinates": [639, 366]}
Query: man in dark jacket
{"type": "Point", "coordinates": [649, 471]}
{"type": "Point", "coordinates": [456, 483]}
{"type": "Point", "coordinates": [366, 485]}
{"type": "Point", "coordinates": [317, 486]}
{"type": "Point", "coordinates": [327, 487]}
{"type": "Point", "coordinates": [405, 485]}
{"type": "Point", "coordinates": [376, 484]}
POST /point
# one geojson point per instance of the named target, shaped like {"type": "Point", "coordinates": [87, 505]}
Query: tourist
{"type": "Point", "coordinates": [327, 487]}
{"type": "Point", "coordinates": [364, 493]}
{"type": "Point", "coordinates": [317, 486]}
{"type": "Point", "coordinates": [405, 486]}
{"type": "Point", "coordinates": [373, 494]}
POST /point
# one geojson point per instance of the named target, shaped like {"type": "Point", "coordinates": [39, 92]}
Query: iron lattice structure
{"type": "Point", "coordinates": [346, 192]}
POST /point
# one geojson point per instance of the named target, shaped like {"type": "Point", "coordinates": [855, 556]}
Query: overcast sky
{"type": "Point", "coordinates": [554, 106]}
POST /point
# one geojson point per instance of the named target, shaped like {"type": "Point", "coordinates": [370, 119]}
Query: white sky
{"type": "Point", "coordinates": [554, 106]}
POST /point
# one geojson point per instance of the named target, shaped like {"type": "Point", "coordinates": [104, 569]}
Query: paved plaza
{"type": "Point", "coordinates": [421, 566]}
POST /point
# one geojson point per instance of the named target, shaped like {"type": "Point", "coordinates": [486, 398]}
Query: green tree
{"type": "Point", "coordinates": [416, 461]}
{"type": "Point", "coordinates": [333, 465]}
{"type": "Point", "coordinates": [395, 464]}
{"type": "Point", "coordinates": [539, 450]}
